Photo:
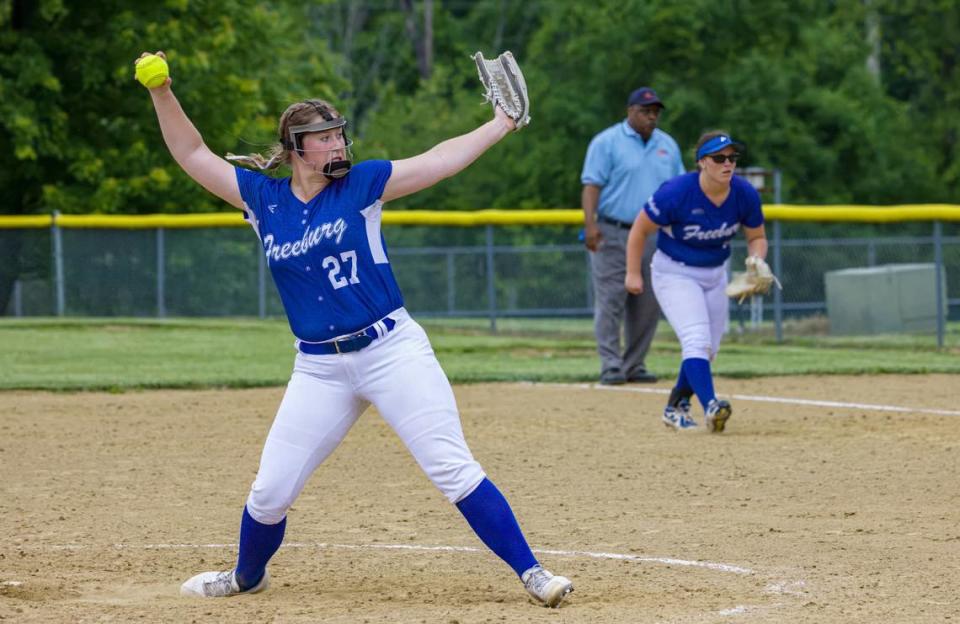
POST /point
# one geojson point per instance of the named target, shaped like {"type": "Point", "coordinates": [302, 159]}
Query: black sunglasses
{"type": "Point", "coordinates": [719, 158]}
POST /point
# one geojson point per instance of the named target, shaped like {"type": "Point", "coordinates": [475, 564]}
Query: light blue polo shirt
{"type": "Point", "coordinates": [628, 171]}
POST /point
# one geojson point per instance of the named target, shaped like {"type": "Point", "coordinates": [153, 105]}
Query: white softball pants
{"type": "Point", "coordinates": [400, 375]}
{"type": "Point", "coordinates": [693, 300]}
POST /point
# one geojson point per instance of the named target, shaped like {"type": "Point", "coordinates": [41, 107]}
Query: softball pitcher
{"type": "Point", "coordinates": [697, 215]}
{"type": "Point", "coordinates": [356, 344]}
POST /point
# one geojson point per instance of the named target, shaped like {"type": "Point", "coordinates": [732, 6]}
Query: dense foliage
{"type": "Point", "coordinates": [855, 101]}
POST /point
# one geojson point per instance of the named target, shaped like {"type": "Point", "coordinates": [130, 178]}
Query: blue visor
{"type": "Point", "coordinates": [716, 144]}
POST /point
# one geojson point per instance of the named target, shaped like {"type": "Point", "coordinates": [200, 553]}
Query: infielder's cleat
{"type": "Point", "coordinates": [545, 587]}
{"type": "Point", "coordinates": [219, 585]}
{"type": "Point", "coordinates": [679, 417]}
{"type": "Point", "coordinates": [718, 412]}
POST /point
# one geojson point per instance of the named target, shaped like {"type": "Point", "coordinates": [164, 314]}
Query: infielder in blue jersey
{"type": "Point", "coordinates": [356, 344]}
{"type": "Point", "coordinates": [697, 214]}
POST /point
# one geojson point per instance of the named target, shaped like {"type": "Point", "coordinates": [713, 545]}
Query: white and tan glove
{"type": "Point", "coordinates": [505, 87]}
{"type": "Point", "coordinates": [756, 280]}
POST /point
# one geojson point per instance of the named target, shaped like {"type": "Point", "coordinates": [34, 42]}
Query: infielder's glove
{"type": "Point", "coordinates": [756, 280]}
{"type": "Point", "coordinates": [505, 87]}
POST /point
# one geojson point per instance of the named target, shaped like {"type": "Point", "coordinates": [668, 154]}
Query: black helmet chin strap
{"type": "Point", "coordinates": [333, 169]}
{"type": "Point", "coordinates": [336, 169]}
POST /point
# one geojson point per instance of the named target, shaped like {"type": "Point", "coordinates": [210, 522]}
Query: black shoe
{"type": "Point", "coordinates": [612, 377]}
{"type": "Point", "coordinates": [642, 377]}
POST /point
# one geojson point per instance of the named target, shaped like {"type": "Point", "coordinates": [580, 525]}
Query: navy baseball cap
{"type": "Point", "coordinates": [644, 96]}
{"type": "Point", "coordinates": [716, 144]}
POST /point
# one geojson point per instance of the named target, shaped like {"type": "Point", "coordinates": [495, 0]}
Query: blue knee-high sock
{"type": "Point", "coordinates": [697, 372]}
{"type": "Point", "coordinates": [258, 542]}
{"type": "Point", "coordinates": [491, 518]}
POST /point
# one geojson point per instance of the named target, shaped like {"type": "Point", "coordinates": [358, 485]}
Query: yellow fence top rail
{"type": "Point", "coordinates": [863, 214]}
{"type": "Point", "coordinates": [773, 212]}
{"type": "Point", "coordinates": [10, 222]}
{"type": "Point", "coordinates": [153, 221]}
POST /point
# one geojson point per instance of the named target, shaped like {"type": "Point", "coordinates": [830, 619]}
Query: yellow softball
{"type": "Point", "coordinates": [152, 71]}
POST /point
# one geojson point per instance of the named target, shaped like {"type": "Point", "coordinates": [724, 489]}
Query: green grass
{"type": "Point", "coordinates": [120, 354]}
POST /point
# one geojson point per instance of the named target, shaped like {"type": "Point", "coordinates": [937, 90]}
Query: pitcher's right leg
{"type": "Point", "coordinates": [317, 411]}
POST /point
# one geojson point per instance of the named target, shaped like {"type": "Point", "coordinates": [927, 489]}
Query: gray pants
{"type": "Point", "coordinates": [614, 306]}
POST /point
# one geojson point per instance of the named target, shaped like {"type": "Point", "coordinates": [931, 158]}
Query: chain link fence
{"type": "Point", "coordinates": [488, 271]}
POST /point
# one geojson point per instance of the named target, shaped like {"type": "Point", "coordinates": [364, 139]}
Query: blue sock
{"type": "Point", "coordinates": [697, 372]}
{"type": "Point", "coordinates": [491, 518]}
{"type": "Point", "coordinates": [258, 542]}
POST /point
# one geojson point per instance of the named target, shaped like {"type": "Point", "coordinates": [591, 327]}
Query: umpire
{"type": "Point", "coordinates": [624, 165]}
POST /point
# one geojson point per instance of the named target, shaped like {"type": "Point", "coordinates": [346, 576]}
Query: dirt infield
{"type": "Point", "coordinates": [798, 513]}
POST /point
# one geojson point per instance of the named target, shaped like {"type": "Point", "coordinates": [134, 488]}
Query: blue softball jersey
{"type": "Point", "coordinates": [694, 230]}
{"type": "Point", "coordinates": [327, 256]}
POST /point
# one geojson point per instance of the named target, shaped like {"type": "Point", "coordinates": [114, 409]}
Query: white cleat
{"type": "Point", "coordinates": [545, 587]}
{"type": "Point", "coordinates": [679, 417]}
{"type": "Point", "coordinates": [219, 585]}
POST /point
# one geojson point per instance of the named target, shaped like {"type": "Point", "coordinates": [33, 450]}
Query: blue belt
{"type": "Point", "coordinates": [354, 342]}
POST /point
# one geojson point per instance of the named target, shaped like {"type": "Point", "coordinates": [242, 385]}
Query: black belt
{"type": "Point", "coordinates": [354, 342]}
{"type": "Point", "coordinates": [619, 224]}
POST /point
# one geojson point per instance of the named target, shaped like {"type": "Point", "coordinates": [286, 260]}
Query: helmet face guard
{"type": "Point", "coordinates": [333, 169]}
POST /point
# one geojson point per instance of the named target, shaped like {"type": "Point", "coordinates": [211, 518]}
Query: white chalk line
{"type": "Point", "coordinates": [707, 565]}
{"type": "Point", "coordinates": [767, 399]}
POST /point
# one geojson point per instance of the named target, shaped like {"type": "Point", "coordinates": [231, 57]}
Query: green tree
{"type": "Point", "coordinates": [788, 78]}
{"type": "Point", "coordinates": [920, 65]}
{"type": "Point", "coordinates": [81, 134]}
{"type": "Point", "coordinates": [792, 79]}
